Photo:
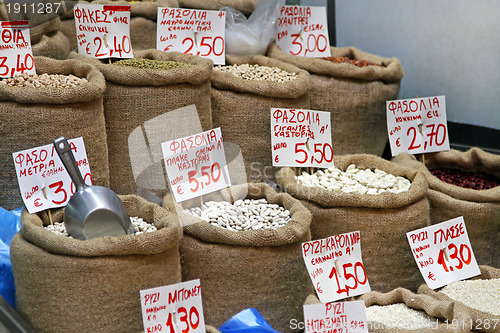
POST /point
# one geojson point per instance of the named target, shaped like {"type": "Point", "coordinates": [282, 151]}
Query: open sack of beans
{"type": "Point", "coordinates": [151, 85]}
{"type": "Point", "coordinates": [479, 297]}
{"type": "Point", "coordinates": [243, 93]}
{"type": "Point", "coordinates": [354, 91]}
{"type": "Point", "coordinates": [64, 99]}
{"type": "Point", "coordinates": [240, 266]}
{"type": "Point", "coordinates": [246, 7]}
{"type": "Point", "coordinates": [69, 285]}
{"type": "Point", "coordinates": [455, 180]}
{"type": "Point", "coordinates": [379, 198]}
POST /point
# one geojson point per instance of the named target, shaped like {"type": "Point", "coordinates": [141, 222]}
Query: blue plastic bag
{"type": "Point", "coordinates": [247, 321]}
{"type": "Point", "coordinates": [10, 224]}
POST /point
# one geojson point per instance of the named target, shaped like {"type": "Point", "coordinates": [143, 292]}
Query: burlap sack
{"type": "Point", "coordinates": [34, 117]}
{"type": "Point", "coordinates": [54, 45]}
{"type": "Point", "coordinates": [69, 285]}
{"type": "Point", "coordinates": [263, 269]}
{"type": "Point", "coordinates": [242, 108]}
{"type": "Point", "coordinates": [480, 208]}
{"type": "Point", "coordinates": [244, 6]}
{"type": "Point", "coordinates": [134, 96]}
{"type": "Point", "coordinates": [383, 219]}
{"type": "Point", "coordinates": [480, 320]}
{"type": "Point", "coordinates": [143, 15]}
{"type": "Point", "coordinates": [354, 96]}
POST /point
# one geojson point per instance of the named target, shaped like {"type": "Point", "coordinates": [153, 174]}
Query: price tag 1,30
{"type": "Point", "coordinates": [303, 31]}
{"type": "Point", "coordinates": [196, 164]}
{"type": "Point", "coordinates": [194, 32]}
{"type": "Point", "coordinates": [15, 50]}
{"type": "Point", "coordinates": [335, 266]}
{"type": "Point", "coordinates": [43, 179]}
{"type": "Point", "coordinates": [103, 31]}
{"type": "Point", "coordinates": [417, 125]}
{"type": "Point", "coordinates": [443, 253]}
{"type": "Point", "coordinates": [301, 138]}
{"type": "Point", "coordinates": [175, 308]}
{"type": "Point", "coordinates": [336, 317]}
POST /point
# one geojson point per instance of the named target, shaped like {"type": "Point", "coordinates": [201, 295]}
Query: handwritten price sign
{"type": "Point", "coordinates": [443, 253]}
{"type": "Point", "coordinates": [15, 49]}
{"type": "Point", "coordinates": [417, 125]}
{"type": "Point", "coordinates": [348, 317]}
{"type": "Point", "coordinates": [335, 266]}
{"type": "Point", "coordinates": [103, 31]}
{"type": "Point", "coordinates": [301, 138]}
{"type": "Point", "coordinates": [196, 164]}
{"type": "Point", "coordinates": [43, 180]}
{"type": "Point", "coordinates": [194, 32]}
{"type": "Point", "coordinates": [303, 31]}
{"type": "Point", "coordinates": [173, 309]}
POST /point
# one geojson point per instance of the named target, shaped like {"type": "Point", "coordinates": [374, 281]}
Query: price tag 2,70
{"type": "Point", "coordinates": [193, 32]}
{"type": "Point", "coordinates": [43, 180]}
{"type": "Point", "coordinates": [303, 31]}
{"type": "Point", "coordinates": [103, 31]}
{"type": "Point", "coordinates": [15, 54]}
{"type": "Point", "coordinates": [335, 266]}
{"type": "Point", "coordinates": [335, 317]}
{"type": "Point", "coordinates": [443, 253]}
{"type": "Point", "coordinates": [417, 125]}
{"type": "Point", "coordinates": [173, 309]}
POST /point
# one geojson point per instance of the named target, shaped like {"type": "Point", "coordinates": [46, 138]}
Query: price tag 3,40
{"type": "Point", "coordinates": [15, 50]}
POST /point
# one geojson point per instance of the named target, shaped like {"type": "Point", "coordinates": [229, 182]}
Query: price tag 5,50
{"type": "Point", "coordinates": [15, 53]}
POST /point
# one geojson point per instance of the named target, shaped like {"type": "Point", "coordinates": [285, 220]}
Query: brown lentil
{"type": "Point", "coordinates": [44, 80]}
{"type": "Point", "coordinates": [151, 63]}
{"type": "Point", "coordinates": [466, 179]}
{"type": "Point", "coordinates": [258, 72]}
{"type": "Point", "coordinates": [359, 63]}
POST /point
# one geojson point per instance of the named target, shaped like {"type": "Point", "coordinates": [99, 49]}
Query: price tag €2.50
{"type": "Point", "coordinates": [15, 52]}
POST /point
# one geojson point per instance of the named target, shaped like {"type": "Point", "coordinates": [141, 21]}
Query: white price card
{"type": "Point", "coordinates": [303, 31]}
{"type": "Point", "coordinates": [348, 317]}
{"type": "Point", "coordinates": [443, 253]}
{"type": "Point", "coordinates": [103, 31]}
{"type": "Point", "coordinates": [417, 125]}
{"type": "Point", "coordinates": [335, 266]}
{"type": "Point", "coordinates": [194, 32]}
{"type": "Point", "coordinates": [196, 164]}
{"type": "Point", "coordinates": [15, 49]}
{"type": "Point", "coordinates": [43, 180]}
{"type": "Point", "coordinates": [175, 308]}
{"type": "Point", "coordinates": [301, 138]}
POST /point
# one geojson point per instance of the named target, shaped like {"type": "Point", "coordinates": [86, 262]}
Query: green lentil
{"type": "Point", "coordinates": [151, 63]}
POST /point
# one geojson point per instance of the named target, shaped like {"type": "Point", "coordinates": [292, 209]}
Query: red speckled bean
{"type": "Point", "coordinates": [466, 179]}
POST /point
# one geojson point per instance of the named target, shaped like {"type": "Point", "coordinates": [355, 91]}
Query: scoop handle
{"type": "Point", "coordinates": [64, 151]}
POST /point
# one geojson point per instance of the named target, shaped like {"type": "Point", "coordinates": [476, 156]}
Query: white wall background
{"type": "Point", "coordinates": [446, 47]}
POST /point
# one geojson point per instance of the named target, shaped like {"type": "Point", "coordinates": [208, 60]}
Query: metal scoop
{"type": "Point", "coordinates": [93, 211]}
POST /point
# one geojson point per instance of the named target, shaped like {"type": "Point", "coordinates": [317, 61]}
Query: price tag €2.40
{"type": "Point", "coordinates": [194, 32]}
{"type": "Point", "coordinates": [15, 52]}
{"type": "Point", "coordinates": [303, 31]}
{"type": "Point", "coordinates": [443, 253]}
{"type": "Point", "coordinates": [417, 125]}
{"type": "Point", "coordinates": [173, 309]}
{"type": "Point", "coordinates": [335, 266]}
{"type": "Point", "coordinates": [103, 31]}
{"type": "Point", "coordinates": [301, 138]}
{"type": "Point", "coordinates": [196, 164]}
{"type": "Point", "coordinates": [43, 181]}
{"type": "Point", "coordinates": [349, 317]}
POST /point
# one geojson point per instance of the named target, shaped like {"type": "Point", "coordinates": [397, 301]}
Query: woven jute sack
{"type": "Point", "coordinates": [383, 220]}
{"type": "Point", "coordinates": [354, 96]}
{"type": "Point", "coordinates": [244, 6]}
{"type": "Point", "coordinates": [34, 117]}
{"type": "Point", "coordinates": [480, 320]}
{"type": "Point", "coordinates": [262, 269]}
{"type": "Point", "coordinates": [134, 96]}
{"type": "Point", "coordinates": [242, 109]}
{"type": "Point", "coordinates": [68, 285]}
{"type": "Point", "coordinates": [480, 208]}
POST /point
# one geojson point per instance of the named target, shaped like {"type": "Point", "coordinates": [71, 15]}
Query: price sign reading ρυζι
{"type": "Point", "coordinates": [43, 179]}
{"type": "Point", "coordinates": [336, 317]}
{"type": "Point", "coordinates": [335, 266]}
{"type": "Point", "coordinates": [417, 125]}
{"type": "Point", "coordinates": [301, 138]}
{"type": "Point", "coordinates": [443, 253]}
{"type": "Point", "coordinates": [196, 164]}
{"type": "Point", "coordinates": [194, 32]}
{"type": "Point", "coordinates": [303, 31]}
{"type": "Point", "coordinates": [175, 308]}
{"type": "Point", "coordinates": [103, 31]}
{"type": "Point", "coordinates": [15, 49]}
